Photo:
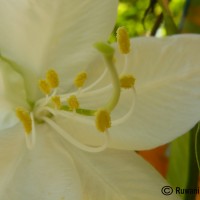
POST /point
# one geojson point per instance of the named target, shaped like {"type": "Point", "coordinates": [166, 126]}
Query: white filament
{"type": "Point", "coordinates": [75, 142]}
{"type": "Point", "coordinates": [44, 101]}
{"type": "Point", "coordinates": [125, 67]}
{"type": "Point", "coordinates": [96, 82]}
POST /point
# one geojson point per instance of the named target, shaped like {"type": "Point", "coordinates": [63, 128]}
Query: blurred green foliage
{"type": "Point", "coordinates": [131, 15]}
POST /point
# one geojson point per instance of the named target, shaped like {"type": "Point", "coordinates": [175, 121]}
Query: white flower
{"type": "Point", "coordinates": [38, 35]}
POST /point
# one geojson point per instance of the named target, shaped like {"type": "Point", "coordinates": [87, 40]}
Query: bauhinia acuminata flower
{"type": "Point", "coordinates": [80, 111]}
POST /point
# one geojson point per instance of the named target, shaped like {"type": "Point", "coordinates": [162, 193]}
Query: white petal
{"type": "Point", "coordinates": [12, 94]}
{"type": "Point", "coordinates": [118, 175]}
{"type": "Point", "coordinates": [57, 34]}
{"type": "Point", "coordinates": [168, 95]}
{"type": "Point", "coordinates": [45, 172]}
{"type": "Point", "coordinates": [11, 151]}
{"type": "Point", "coordinates": [7, 114]}
{"type": "Point", "coordinates": [84, 133]}
{"type": "Point", "coordinates": [13, 88]}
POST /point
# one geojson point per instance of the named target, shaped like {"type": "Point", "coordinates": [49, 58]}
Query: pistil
{"type": "Point", "coordinates": [108, 53]}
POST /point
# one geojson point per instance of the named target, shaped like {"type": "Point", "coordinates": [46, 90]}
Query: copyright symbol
{"type": "Point", "coordinates": [167, 190]}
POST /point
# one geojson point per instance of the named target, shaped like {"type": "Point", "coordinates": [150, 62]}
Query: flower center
{"type": "Point", "coordinates": [68, 106]}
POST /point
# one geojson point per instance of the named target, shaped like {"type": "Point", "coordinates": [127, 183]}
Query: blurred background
{"type": "Point", "coordinates": [145, 17]}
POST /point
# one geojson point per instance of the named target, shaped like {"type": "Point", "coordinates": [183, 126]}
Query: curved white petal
{"type": "Point", "coordinates": [46, 172]}
{"type": "Point", "coordinates": [118, 175]}
{"type": "Point", "coordinates": [7, 114]}
{"type": "Point", "coordinates": [12, 94]}
{"type": "Point", "coordinates": [59, 34]}
{"type": "Point", "coordinates": [11, 152]}
{"type": "Point", "coordinates": [167, 95]}
{"type": "Point", "coordinates": [13, 88]}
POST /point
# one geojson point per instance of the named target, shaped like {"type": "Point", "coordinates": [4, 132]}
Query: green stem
{"type": "Point", "coordinates": [169, 22]}
{"type": "Point", "coordinates": [86, 112]}
{"type": "Point", "coordinates": [115, 82]}
{"type": "Point", "coordinates": [108, 53]}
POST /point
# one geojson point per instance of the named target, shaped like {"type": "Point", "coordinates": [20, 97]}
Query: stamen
{"type": "Point", "coordinates": [25, 119]}
{"type": "Point", "coordinates": [52, 78]}
{"type": "Point", "coordinates": [73, 102]}
{"type": "Point", "coordinates": [44, 87]}
{"type": "Point", "coordinates": [123, 40]}
{"type": "Point", "coordinates": [80, 79]}
{"type": "Point", "coordinates": [127, 81]}
{"type": "Point", "coordinates": [56, 101]}
{"type": "Point", "coordinates": [103, 120]}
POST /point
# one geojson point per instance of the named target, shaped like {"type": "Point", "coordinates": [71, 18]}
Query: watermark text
{"type": "Point", "coordinates": [168, 190]}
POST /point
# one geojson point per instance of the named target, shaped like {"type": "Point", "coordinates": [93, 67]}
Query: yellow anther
{"type": "Point", "coordinates": [127, 81]}
{"type": "Point", "coordinates": [80, 79]}
{"type": "Point", "coordinates": [123, 40]}
{"type": "Point", "coordinates": [25, 119]}
{"type": "Point", "coordinates": [103, 120]}
{"type": "Point", "coordinates": [114, 60]}
{"type": "Point", "coordinates": [56, 101]}
{"type": "Point", "coordinates": [44, 87]}
{"type": "Point", "coordinates": [52, 78]}
{"type": "Point", "coordinates": [73, 102]}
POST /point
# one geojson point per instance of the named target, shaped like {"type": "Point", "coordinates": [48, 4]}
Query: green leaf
{"type": "Point", "coordinates": [183, 170]}
{"type": "Point", "coordinates": [170, 25]}
{"type": "Point", "coordinates": [197, 145]}
{"type": "Point", "coordinates": [168, 19]}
